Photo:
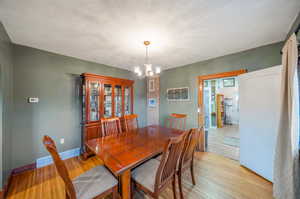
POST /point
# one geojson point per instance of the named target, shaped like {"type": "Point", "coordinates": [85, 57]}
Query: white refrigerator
{"type": "Point", "coordinates": [259, 101]}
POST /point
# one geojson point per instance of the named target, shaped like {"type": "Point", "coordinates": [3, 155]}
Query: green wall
{"type": "Point", "coordinates": [6, 106]}
{"type": "Point", "coordinates": [186, 76]}
{"type": "Point", "coordinates": [55, 80]}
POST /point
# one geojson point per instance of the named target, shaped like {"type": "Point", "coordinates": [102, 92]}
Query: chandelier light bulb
{"type": "Point", "coordinates": [139, 73]}
{"type": "Point", "coordinates": [136, 69]}
{"type": "Point", "coordinates": [157, 70]}
{"type": "Point", "coordinates": [151, 73]}
{"type": "Point", "coordinates": [148, 67]}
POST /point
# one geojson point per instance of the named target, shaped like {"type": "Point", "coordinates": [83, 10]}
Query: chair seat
{"type": "Point", "coordinates": [94, 182]}
{"type": "Point", "coordinates": [158, 157]}
{"type": "Point", "coordinates": [145, 174]}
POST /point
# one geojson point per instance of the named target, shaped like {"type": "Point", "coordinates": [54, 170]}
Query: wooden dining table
{"type": "Point", "coordinates": [122, 153]}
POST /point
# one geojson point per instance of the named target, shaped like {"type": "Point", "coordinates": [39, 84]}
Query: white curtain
{"type": "Point", "coordinates": [286, 165]}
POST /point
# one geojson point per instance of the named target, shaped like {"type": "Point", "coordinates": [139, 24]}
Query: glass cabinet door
{"type": "Point", "coordinates": [127, 101]}
{"type": "Point", "coordinates": [83, 103]}
{"type": "Point", "coordinates": [94, 101]}
{"type": "Point", "coordinates": [107, 100]}
{"type": "Point", "coordinates": [118, 101]}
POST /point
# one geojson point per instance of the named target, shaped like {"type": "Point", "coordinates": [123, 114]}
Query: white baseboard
{"type": "Point", "coordinates": [47, 160]}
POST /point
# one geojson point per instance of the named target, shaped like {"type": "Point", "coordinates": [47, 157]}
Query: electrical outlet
{"type": "Point", "coordinates": [62, 140]}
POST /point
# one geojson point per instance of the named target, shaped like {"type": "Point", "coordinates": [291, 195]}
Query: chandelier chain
{"type": "Point", "coordinates": [147, 55]}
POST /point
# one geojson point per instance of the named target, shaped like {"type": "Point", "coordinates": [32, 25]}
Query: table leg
{"type": "Point", "coordinates": [201, 143]}
{"type": "Point", "coordinates": [125, 183]}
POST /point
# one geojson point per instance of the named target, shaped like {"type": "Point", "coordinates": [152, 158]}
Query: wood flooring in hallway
{"type": "Point", "coordinates": [216, 141]}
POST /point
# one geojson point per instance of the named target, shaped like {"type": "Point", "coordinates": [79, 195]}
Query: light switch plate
{"type": "Point", "coordinates": [33, 99]}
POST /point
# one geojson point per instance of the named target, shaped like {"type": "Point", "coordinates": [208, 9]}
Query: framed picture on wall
{"type": "Point", "coordinates": [152, 102]}
{"type": "Point", "coordinates": [229, 82]}
{"type": "Point", "coordinates": [178, 94]}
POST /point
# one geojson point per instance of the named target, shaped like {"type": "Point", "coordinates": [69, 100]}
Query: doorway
{"type": "Point", "coordinates": [219, 113]}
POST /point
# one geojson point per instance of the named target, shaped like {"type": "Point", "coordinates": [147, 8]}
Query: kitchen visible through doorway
{"type": "Point", "coordinates": [221, 116]}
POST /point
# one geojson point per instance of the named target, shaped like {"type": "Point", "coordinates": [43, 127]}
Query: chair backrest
{"type": "Point", "coordinates": [131, 122]}
{"type": "Point", "coordinates": [111, 126]}
{"type": "Point", "coordinates": [169, 161]}
{"type": "Point", "coordinates": [60, 166]}
{"type": "Point", "coordinates": [190, 144]}
{"type": "Point", "coordinates": [176, 121]}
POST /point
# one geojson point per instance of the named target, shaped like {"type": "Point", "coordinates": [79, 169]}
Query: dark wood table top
{"type": "Point", "coordinates": [127, 150]}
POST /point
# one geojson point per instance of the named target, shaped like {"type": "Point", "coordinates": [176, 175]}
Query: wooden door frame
{"type": "Point", "coordinates": [201, 80]}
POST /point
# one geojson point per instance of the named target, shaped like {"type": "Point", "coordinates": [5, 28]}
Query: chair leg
{"type": "Point", "coordinates": [115, 193]}
{"type": "Point", "coordinates": [67, 195]}
{"type": "Point", "coordinates": [174, 186]}
{"type": "Point", "coordinates": [180, 185]}
{"type": "Point", "coordinates": [132, 189]}
{"type": "Point", "coordinates": [192, 173]}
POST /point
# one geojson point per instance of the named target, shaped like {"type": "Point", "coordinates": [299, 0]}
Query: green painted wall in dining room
{"type": "Point", "coordinates": [55, 80]}
{"type": "Point", "coordinates": [186, 76]}
{"type": "Point", "coordinates": [6, 105]}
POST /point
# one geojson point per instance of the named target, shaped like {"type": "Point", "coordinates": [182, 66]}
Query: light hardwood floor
{"type": "Point", "coordinates": [216, 177]}
{"type": "Point", "coordinates": [216, 144]}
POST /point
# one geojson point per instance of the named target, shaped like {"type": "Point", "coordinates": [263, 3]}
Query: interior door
{"type": "Point", "coordinates": [259, 97]}
{"type": "Point", "coordinates": [201, 111]}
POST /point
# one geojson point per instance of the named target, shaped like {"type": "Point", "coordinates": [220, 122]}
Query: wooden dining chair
{"type": "Point", "coordinates": [187, 157]}
{"type": "Point", "coordinates": [111, 126]}
{"type": "Point", "coordinates": [131, 122]}
{"type": "Point", "coordinates": [95, 183]}
{"type": "Point", "coordinates": [154, 176]}
{"type": "Point", "coordinates": [176, 121]}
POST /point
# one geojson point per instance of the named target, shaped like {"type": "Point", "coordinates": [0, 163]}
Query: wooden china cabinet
{"type": "Point", "coordinates": [103, 97]}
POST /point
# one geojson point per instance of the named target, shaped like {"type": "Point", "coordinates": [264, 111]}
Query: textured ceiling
{"type": "Point", "coordinates": [181, 31]}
